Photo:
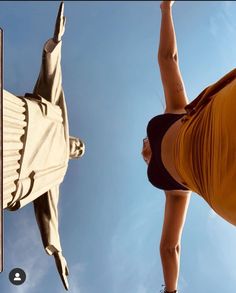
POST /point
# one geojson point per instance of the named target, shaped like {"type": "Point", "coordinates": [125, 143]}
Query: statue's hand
{"type": "Point", "coordinates": [60, 24]}
{"type": "Point", "coordinates": [62, 268]}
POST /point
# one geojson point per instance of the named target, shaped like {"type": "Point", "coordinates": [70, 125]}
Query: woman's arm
{"type": "Point", "coordinates": [175, 213]}
{"type": "Point", "coordinates": [168, 45]}
{"type": "Point", "coordinates": [175, 95]}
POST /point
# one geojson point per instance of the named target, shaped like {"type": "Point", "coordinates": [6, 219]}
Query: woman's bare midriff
{"type": "Point", "coordinates": [167, 150]}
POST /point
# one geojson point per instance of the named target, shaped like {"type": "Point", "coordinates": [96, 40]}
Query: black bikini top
{"type": "Point", "coordinates": [157, 173]}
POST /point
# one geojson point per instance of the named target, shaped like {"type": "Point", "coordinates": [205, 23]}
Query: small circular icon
{"type": "Point", "coordinates": [17, 276]}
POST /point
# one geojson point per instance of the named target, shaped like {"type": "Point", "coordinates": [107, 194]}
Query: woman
{"type": "Point", "coordinates": [191, 147]}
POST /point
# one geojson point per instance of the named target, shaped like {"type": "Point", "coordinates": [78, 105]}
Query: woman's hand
{"type": "Point", "coordinates": [166, 4]}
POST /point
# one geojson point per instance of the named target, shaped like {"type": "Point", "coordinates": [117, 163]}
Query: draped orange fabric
{"type": "Point", "coordinates": [205, 150]}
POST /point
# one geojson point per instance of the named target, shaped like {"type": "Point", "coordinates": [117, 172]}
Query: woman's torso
{"type": "Point", "coordinates": [168, 150]}
{"type": "Point", "coordinates": [201, 150]}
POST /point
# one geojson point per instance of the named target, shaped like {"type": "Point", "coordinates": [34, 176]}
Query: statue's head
{"type": "Point", "coordinates": [77, 147]}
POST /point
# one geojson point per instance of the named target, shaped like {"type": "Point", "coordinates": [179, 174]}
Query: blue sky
{"type": "Point", "coordinates": [110, 216]}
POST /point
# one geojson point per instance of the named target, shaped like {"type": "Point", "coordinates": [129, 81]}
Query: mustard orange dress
{"type": "Point", "coordinates": [205, 149]}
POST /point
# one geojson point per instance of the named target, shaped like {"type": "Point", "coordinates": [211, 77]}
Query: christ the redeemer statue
{"type": "Point", "coordinates": [37, 147]}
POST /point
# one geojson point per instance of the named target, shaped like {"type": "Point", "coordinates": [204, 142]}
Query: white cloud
{"type": "Point", "coordinates": [141, 289]}
{"type": "Point", "coordinates": [222, 240]}
{"type": "Point", "coordinates": [74, 280]}
{"type": "Point", "coordinates": [133, 262]}
{"type": "Point", "coordinates": [183, 284]}
{"type": "Point", "coordinates": [25, 251]}
{"type": "Point", "coordinates": [224, 18]}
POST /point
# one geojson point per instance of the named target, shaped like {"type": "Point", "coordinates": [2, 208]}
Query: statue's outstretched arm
{"type": "Point", "coordinates": [49, 83]}
{"type": "Point", "coordinates": [46, 212]}
{"type": "Point", "coordinates": [60, 24]}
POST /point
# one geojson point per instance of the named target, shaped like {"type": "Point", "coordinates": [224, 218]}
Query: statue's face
{"type": "Point", "coordinates": [77, 148]}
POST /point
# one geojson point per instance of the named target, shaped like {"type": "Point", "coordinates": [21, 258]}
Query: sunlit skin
{"type": "Point", "coordinates": [177, 201]}
{"type": "Point", "coordinates": [146, 150]}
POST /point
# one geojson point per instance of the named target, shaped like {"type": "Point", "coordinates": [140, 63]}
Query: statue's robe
{"type": "Point", "coordinates": [36, 147]}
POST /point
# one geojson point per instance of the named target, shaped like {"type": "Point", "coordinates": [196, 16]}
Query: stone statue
{"type": "Point", "coordinates": [37, 147]}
